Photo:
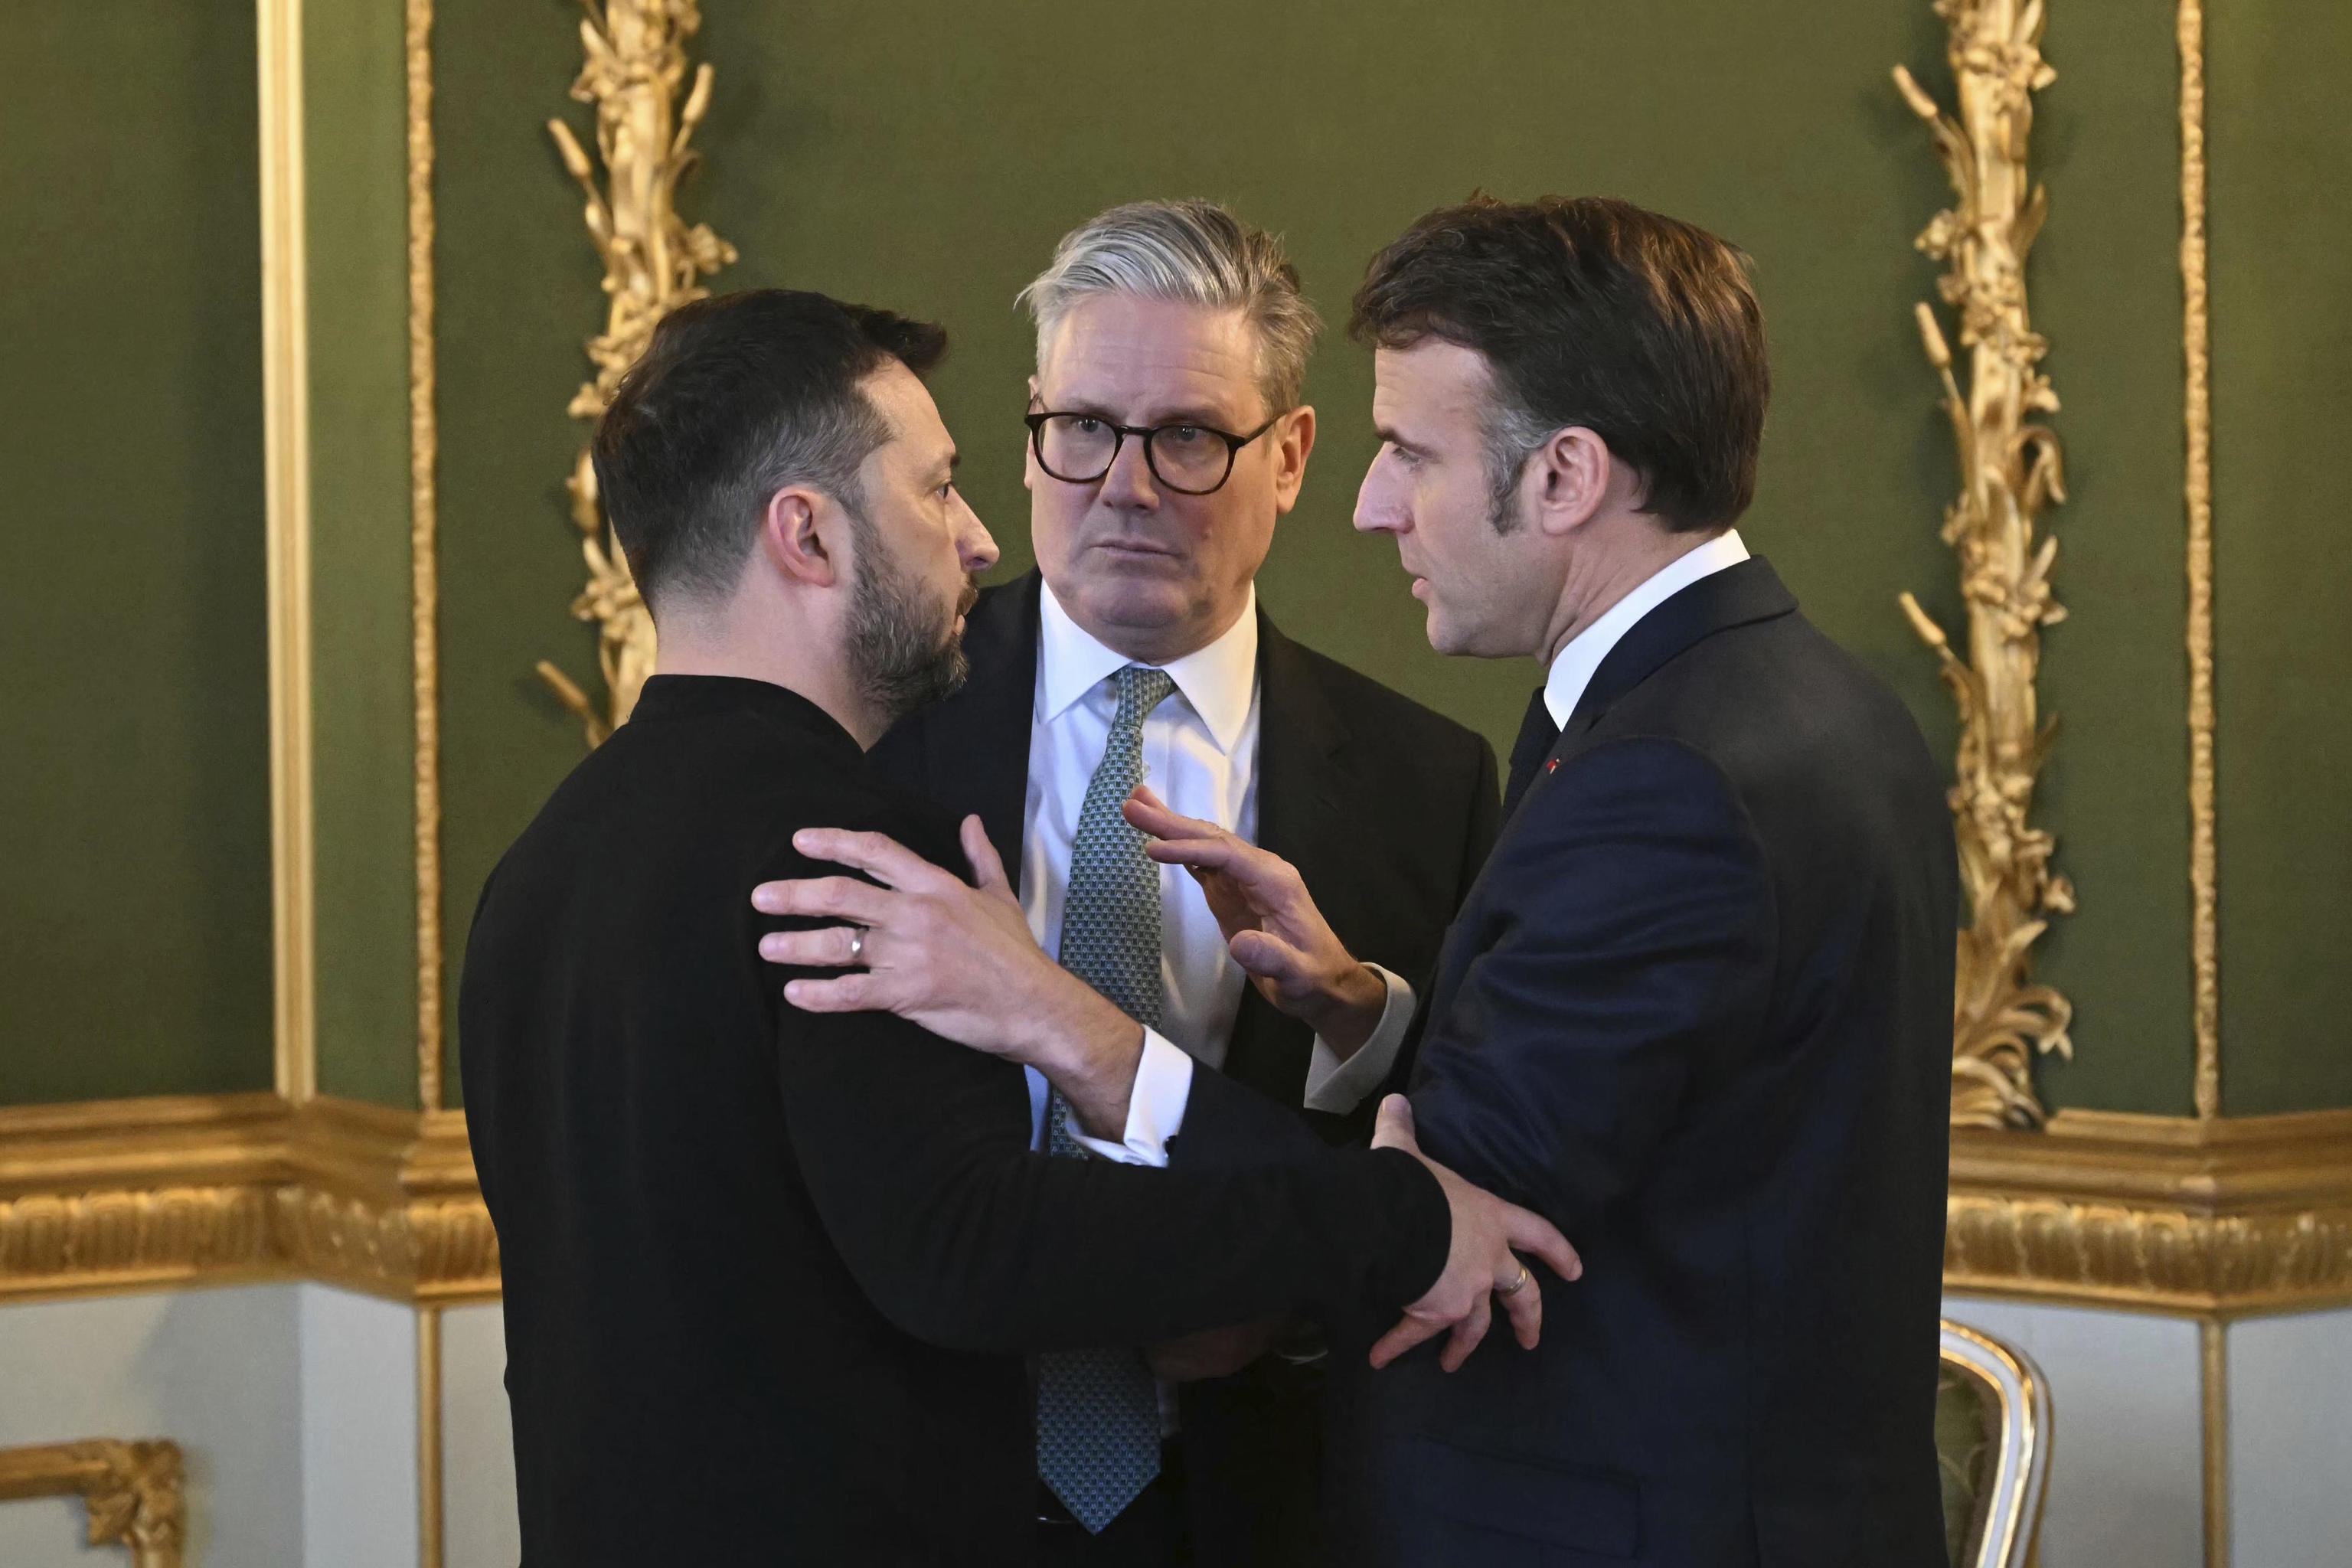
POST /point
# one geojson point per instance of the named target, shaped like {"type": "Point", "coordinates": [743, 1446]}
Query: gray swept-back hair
{"type": "Point", "coordinates": [1189, 252]}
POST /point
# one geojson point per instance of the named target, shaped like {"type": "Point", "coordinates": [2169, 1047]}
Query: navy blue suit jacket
{"type": "Point", "coordinates": [1696, 1010]}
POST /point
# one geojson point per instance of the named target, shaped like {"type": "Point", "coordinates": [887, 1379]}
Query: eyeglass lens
{"type": "Point", "coordinates": [1078, 449]}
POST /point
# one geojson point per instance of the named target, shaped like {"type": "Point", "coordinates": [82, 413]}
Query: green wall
{"type": "Point", "coordinates": [927, 156]}
{"type": "Point", "coordinates": [2281, 233]}
{"type": "Point", "coordinates": [134, 741]}
{"type": "Point", "coordinates": [362, 696]}
{"type": "Point", "coordinates": [516, 287]}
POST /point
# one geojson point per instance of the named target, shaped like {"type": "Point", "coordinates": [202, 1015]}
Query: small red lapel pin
{"type": "Point", "coordinates": [1552, 766]}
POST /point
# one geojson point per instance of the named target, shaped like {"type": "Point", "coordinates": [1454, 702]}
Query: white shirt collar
{"type": "Point", "coordinates": [1218, 681]}
{"type": "Point", "coordinates": [1574, 666]}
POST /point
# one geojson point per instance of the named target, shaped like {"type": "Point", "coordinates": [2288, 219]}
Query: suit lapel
{"type": "Point", "coordinates": [1750, 591]}
{"type": "Point", "coordinates": [1735, 596]}
{"type": "Point", "coordinates": [1299, 739]}
{"type": "Point", "coordinates": [977, 742]}
{"type": "Point", "coordinates": [1304, 815]}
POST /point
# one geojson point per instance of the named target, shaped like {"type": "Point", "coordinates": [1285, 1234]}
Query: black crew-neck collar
{"type": "Point", "coordinates": [670, 696]}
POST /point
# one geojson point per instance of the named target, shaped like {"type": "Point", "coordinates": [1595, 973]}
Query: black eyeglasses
{"type": "Point", "coordinates": [1191, 459]}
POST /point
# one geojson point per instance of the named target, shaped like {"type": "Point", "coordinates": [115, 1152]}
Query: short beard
{"type": "Point", "coordinates": [903, 654]}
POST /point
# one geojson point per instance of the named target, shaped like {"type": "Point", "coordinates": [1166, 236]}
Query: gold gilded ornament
{"type": "Point", "coordinates": [2010, 471]}
{"type": "Point", "coordinates": [135, 1491]}
{"type": "Point", "coordinates": [653, 262]}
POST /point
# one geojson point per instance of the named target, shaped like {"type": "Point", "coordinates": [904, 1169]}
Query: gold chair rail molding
{"type": "Point", "coordinates": [155, 1194]}
{"type": "Point", "coordinates": [2214, 1217]}
{"type": "Point", "coordinates": [2169, 1214]}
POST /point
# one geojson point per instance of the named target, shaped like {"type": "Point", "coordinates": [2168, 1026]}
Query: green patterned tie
{"type": "Point", "coordinates": [1098, 1410]}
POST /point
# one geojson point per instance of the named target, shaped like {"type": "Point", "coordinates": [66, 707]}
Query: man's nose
{"type": "Point", "coordinates": [1378, 509]}
{"type": "Point", "coordinates": [975, 546]}
{"type": "Point", "coordinates": [1128, 484]}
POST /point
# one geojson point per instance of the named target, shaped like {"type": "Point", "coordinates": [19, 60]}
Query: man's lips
{"type": "Point", "coordinates": [1133, 547]}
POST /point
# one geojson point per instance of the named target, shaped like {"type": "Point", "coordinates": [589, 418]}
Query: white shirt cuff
{"type": "Point", "coordinates": [1340, 1086]}
{"type": "Point", "coordinates": [1155, 1108]}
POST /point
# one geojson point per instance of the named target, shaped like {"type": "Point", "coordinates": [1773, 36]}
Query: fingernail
{"type": "Point", "coordinates": [769, 946]}
{"type": "Point", "coordinates": [765, 901]}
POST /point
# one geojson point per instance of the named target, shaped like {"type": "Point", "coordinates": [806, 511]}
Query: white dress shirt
{"type": "Point", "coordinates": [1199, 756]}
{"type": "Point", "coordinates": [1572, 668]}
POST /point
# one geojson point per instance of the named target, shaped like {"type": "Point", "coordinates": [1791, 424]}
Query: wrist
{"type": "Point", "coordinates": [1348, 1010]}
{"type": "Point", "coordinates": [1089, 1049]}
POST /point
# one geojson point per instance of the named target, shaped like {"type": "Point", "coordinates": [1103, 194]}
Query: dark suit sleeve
{"type": "Point", "coordinates": [915, 1154]}
{"type": "Point", "coordinates": [1629, 952]}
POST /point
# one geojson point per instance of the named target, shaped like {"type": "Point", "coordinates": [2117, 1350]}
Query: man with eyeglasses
{"type": "Point", "coordinates": [1167, 439]}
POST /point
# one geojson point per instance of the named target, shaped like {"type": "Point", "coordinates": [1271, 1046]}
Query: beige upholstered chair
{"type": "Point", "coordinates": [1992, 1436]}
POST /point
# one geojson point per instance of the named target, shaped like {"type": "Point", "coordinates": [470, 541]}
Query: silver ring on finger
{"type": "Point", "coordinates": [1516, 1286]}
{"type": "Point", "coordinates": [857, 943]}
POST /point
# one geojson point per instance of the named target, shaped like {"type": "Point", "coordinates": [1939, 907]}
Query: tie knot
{"type": "Point", "coordinates": [1140, 689]}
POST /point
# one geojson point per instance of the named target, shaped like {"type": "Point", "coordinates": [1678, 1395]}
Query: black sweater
{"type": "Point", "coordinates": [769, 1275]}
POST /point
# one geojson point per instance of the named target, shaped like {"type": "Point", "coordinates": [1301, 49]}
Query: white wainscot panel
{"type": "Point", "coordinates": [214, 1371]}
{"type": "Point", "coordinates": [2290, 1441]}
{"type": "Point", "coordinates": [477, 1489]}
{"type": "Point", "coordinates": [358, 1430]}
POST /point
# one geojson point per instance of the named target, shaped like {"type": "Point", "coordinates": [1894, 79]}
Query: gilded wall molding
{"type": "Point", "coordinates": [135, 1491]}
{"type": "Point", "coordinates": [2213, 1417]}
{"type": "Point", "coordinates": [148, 1195]}
{"type": "Point", "coordinates": [286, 425]}
{"type": "Point", "coordinates": [424, 536]}
{"type": "Point", "coordinates": [2010, 471]}
{"type": "Point", "coordinates": [653, 262]}
{"type": "Point", "coordinates": [2205, 1218]}
{"type": "Point", "coordinates": [2196, 418]}
{"type": "Point", "coordinates": [431, 1533]}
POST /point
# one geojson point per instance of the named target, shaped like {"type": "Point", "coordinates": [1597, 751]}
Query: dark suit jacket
{"type": "Point", "coordinates": [1387, 810]}
{"type": "Point", "coordinates": [769, 1275]}
{"type": "Point", "coordinates": [1696, 1011]}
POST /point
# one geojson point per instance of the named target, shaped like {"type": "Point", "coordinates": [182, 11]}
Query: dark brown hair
{"type": "Point", "coordinates": [1591, 312]}
{"type": "Point", "coordinates": [735, 398]}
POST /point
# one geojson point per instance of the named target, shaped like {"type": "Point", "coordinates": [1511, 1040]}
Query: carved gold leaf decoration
{"type": "Point", "coordinates": [653, 262]}
{"type": "Point", "coordinates": [2010, 471]}
{"type": "Point", "coordinates": [135, 1491]}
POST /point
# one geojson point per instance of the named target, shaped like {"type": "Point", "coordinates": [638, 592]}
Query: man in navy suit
{"type": "Point", "coordinates": [1697, 1007]}
{"type": "Point", "coordinates": [1696, 1010]}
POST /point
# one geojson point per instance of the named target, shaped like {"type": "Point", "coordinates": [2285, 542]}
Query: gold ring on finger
{"type": "Point", "coordinates": [1516, 1286]}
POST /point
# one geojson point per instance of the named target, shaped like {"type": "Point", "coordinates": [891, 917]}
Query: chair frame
{"type": "Point", "coordinates": [2013, 1520]}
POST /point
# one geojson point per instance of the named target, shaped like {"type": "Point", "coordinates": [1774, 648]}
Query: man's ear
{"type": "Point", "coordinates": [795, 544]}
{"type": "Point", "coordinates": [1295, 442]}
{"type": "Point", "coordinates": [1570, 476]}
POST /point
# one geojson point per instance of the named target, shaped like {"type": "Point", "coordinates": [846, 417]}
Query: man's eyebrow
{"type": "Point", "coordinates": [1388, 433]}
{"type": "Point", "coordinates": [1198, 413]}
{"type": "Point", "coordinates": [1194, 414]}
